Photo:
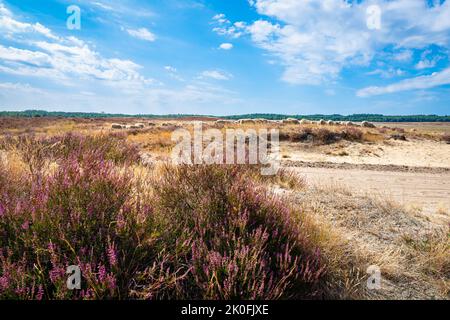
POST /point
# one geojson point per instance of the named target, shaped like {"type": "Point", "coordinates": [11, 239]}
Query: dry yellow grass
{"type": "Point", "coordinates": [412, 253]}
{"type": "Point", "coordinates": [155, 141]}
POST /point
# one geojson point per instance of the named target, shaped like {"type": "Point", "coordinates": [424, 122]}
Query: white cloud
{"type": "Point", "coordinates": [117, 9]}
{"type": "Point", "coordinates": [215, 74]}
{"type": "Point", "coordinates": [9, 26]}
{"type": "Point", "coordinates": [224, 27]}
{"type": "Point", "coordinates": [226, 46]}
{"type": "Point", "coordinates": [170, 69]}
{"type": "Point", "coordinates": [35, 58]}
{"type": "Point", "coordinates": [387, 73]}
{"type": "Point", "coordinates": [426, 61]}
{"type": "Point", "coordinates": [417, 83]}
{"type": "Point", "coordinates": [23, 87]}
{"type": "Point", "coordinates": [315, 40]}
{"type": "Point", "coordinates": [221, 19]}
{"type": "Point", "coordinates": [173, 73]}
{"type": "Point", "coordinates": [65, 59]}
{"type": "Point", "coordinates": [83, 79]}
{"type": "Point", "coordinates": [103, 6]}
{"type": "Point", "coordinates": [403, 56]}
{"type": "Point", "coordinates": [142, 33]}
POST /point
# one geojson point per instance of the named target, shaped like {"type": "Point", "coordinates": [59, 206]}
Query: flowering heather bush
{"type": "Point", "coordinates": [192, 232]}
{"type": "Point", "coordinates": [36, 150]}
{"type": "Point", "coordinates": [80, 215]}
{"type": "Point", "coordinates": [109, 146]}
{"type": "Point", "coordinates": [323, 135]}
{"type": "Point", "coordinates": [230, 240]}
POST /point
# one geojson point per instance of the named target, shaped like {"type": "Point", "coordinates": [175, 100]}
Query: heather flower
{"type": "Point", "coordinates": [111, 282]}
{"type": "Point", "coordinates": [2, 210]}
{"type": "Point", "coordinates": [112, 255]}
{"type": "Point", "coordinates": [87, 294]}
{"type": "Point", "coordinates": [4, 282]}
{"type": "Point", "coordinates": [56, 274]}
{"type": "Point", "coordinates": [25, 225]}
{"type": "Point", "coordinates": [101, 273]}
{"type": "Point", "coordinates": [40, 293]}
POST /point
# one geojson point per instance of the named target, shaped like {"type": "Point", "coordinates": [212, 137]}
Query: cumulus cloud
{"type": "Point", "coordinates": [170, 69]}
{"type": "Point", "coordinates": [142, 34]}
{"type": "Point", "coordinates": [34, 58]}
{"type": "Point", "coordinates": [9, 26]}
{"type": "Point", "coordinates": [216, 74]}
{"type": "Point", "coordinates": [427, 60]}
{"type": "Point", "coordinates": [61, 58]}
{"type": "Point", "coordinates": [226, 46]}
{"type": "Point", "coordinates": [220, 18]}
{"type": "Point", "coordinates": [387, 73]}
{"type": "Point", "coordinates": [68, 61]}
{"type": "Point", "coordinates": [315, 40]}
{"type": "Point", "coordinates": [85, 79]}
{"type": "Point", "coordinates": [416, 83]}
{"type": "Point", "coordinates": [224, 27]}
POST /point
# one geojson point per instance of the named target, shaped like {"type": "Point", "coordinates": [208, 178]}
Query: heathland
{"type": "Point", "coordinates": [75, 191]}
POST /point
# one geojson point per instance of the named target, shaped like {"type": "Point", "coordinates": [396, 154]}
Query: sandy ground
{"type": "Point", "coordinates": [416, 153]}
{"type": "Point", "coordinates": [437, 127]}
{"type": "Point", "coordinates": [426, 192]}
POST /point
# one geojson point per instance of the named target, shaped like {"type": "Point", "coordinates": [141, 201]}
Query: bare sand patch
{"type": "Point", "coordinates": [425, 192]}
{"type": "Point", "coordinates": [418, 153]}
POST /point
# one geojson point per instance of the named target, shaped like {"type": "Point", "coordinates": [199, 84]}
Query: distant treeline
{"type": "Point", "coordinates": [61, 114]}
{"type": "Point", "coordinates": [272, 116]}
{"type": "Point", "coordinates": [353, 117]}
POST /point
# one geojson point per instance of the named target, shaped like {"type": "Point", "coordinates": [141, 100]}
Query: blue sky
{"type": "Point", "coordinates": [227, 57]}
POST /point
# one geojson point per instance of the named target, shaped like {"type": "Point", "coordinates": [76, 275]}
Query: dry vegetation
{"type": "Point", "coordinates": [144, 229]}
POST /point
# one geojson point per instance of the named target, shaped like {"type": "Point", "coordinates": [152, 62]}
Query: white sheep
{"type": "Point", "coordinates": [305, 121]}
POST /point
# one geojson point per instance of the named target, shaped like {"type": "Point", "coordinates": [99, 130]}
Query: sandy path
{"type": "Point", "coordinates": [414, 153]}
{"type": "Point", "coordinates": [428, 191]}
